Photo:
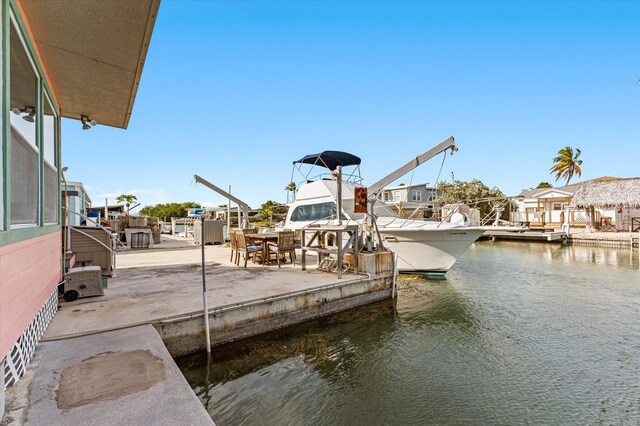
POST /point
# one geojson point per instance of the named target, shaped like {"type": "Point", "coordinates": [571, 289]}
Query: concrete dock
{"type": "Point", "coordinates": [152, 311]}
{"type": "Point", "coordinates": [124, 377]}
{"type": "Point", "coordinates": [164, 288]}
{"type": "Point", "coordinates": [580, 237]}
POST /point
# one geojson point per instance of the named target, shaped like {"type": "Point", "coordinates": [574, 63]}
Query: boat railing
{"type": "Point", "coordinates": [353, 178]}
{"type": "Point", "coordinates": [491, 211]}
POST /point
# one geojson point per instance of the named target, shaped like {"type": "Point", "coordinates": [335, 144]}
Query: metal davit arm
{"type": "Point", "coordinates": [398, 173]}
{"type": "Point", "coordinates": [245, 207]}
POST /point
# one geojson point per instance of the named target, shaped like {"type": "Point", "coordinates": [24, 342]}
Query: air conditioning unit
{"type": "Point", "coordinates": [84, 281]}
{"type": "Point", "coordinates": [213, 232]}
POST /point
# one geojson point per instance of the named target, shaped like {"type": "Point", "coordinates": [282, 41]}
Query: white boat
{"type": "Point", "coordinates": [422, 246]}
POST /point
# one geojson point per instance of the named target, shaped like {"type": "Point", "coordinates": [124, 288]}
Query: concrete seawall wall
{"type": "Point", "coordinates": [628, 242]}
{"type": "Point", "coordinates": [185, 335]}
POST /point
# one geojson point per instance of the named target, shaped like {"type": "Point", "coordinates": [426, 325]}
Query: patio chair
{"type": "Point", "coordinates": [233, 241]}
{"type": "Point", "coordinates": [251, 231]}
{"type": "Point", "coordinates": [285, 245]}
{"type": "Point", "coordinates": [247, 250]}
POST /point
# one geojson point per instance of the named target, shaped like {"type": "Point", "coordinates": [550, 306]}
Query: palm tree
{"type": "Point", "coordinates": [128, 199]}
{"type": "Point", "coordinates": [566, 164]}
{"type": "Point", "coordinates": [291, 189]}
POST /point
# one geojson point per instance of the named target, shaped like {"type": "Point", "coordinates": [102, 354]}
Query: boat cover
{"type": "Point", "coordinates": [330, 159]}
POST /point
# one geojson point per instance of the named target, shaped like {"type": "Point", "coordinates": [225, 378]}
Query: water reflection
{"type": "Point", "coordinates": [518, 333]}
{"type": "Point", "coordinates": [570, 254]}
{"type": "Point", "coordinates": [326, 344]}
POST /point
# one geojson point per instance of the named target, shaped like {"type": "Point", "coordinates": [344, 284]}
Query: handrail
{"type": "Point", "coordinates": [89, 219]}
{"type": "Point", "coordinates": [114, 240]}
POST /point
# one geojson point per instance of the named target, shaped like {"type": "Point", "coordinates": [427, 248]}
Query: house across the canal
{"type": "Point", "coordinates": [606, 203]}
{"type": "Point", "coordinates": [411, 200]}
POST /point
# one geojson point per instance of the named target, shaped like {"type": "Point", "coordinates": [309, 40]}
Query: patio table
{"type": "Point", "coordinates": [265, 239]}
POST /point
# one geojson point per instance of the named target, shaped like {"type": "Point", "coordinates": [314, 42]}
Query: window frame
{"type": "Point", "coordinates": [56, 160]}
{"type": "Point", "coordinates": [12, 20]}
{"type": "Point", "coordinates": [4, 110]}
{"type": "Point", "coordinates": [14, 24]}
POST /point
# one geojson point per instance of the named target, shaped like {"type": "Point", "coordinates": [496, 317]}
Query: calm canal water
{"type": "Point", "coordinates": [517, 333]}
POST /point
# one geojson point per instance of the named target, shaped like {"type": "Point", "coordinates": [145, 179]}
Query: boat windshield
{"type": "Point", "coordinates": [312, 212]}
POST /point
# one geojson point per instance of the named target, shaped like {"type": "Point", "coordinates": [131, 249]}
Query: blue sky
{"type": "Point", "coordinates": [235, 91]}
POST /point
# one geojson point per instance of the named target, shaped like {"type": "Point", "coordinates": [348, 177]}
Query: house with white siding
{"type": "Point", "coordinates": [599, 204]}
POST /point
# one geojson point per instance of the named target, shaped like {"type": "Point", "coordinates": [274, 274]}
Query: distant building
{"type": "Point", "coordinates": [544, 207]}
{"type": "Point", "coordinates": [79, 202]}
{"type": "Point", "coordinates": [220, 213]}
{"type": "Point", "coordinates": [113, 211]}
{"type": "Point", "coordinates": [406, 199]}
{"type": "Point", "coordinates": [605, 203]}
{"type": "Point", "coordinates": [618, 202]}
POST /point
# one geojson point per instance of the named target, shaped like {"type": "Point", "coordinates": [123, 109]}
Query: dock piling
{"type": "Point", "coordinates": [205, 303]}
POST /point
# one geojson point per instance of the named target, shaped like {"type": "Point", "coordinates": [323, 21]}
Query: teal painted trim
{"type": "Point", "coordinates": [56, 155]}
{"type": "Point", "coordinates": [58, 130]}
{"type": "Point", "coordinates": [40, 143]}
{"type": "Point", "coordinates": [42, 87]}
{"type": "Point", "coordinates": [73, 219]}
{"type": "Point", "coordinates": [4, 109]}
{"type": "Point", "coordinates": [32, 51]}
{"type": "Point", "coordinates": [17, 235]}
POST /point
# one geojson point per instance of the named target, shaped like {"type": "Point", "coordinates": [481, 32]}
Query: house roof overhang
{"type": "Point", "coordinates": [549, 193]}
{"type": "Point", "coordinates": [554, 193]}
{"type": "Point", "coordinates": [93, 53]}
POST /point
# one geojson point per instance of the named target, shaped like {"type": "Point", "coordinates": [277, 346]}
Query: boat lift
{"type": "Point", "coordinates": [241, 204]}
{"type": "Point", "coordinates": [374, 189]}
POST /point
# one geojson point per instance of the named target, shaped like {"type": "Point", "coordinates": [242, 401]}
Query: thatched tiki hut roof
{"type": "Point", "coordinates": [613, 194]}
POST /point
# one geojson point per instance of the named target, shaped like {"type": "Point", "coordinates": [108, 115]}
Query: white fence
{"type": "Point", "coordinates": [20, 355]}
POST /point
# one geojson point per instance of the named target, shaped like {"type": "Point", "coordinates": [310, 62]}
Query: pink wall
{"type": "Point", "coordinates": [29, 271]}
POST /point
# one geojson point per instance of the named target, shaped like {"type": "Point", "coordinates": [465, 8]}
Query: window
{"type": "Point", "coordinates": [416, 195]}
{"type": "Point", "coordinates": [2, 118]}
{"type": "Point", "coordinates": [396, 195]}
{"type": "Point", "coordinates": [24, 170]}
{"type": "Point", "coordinates": [387, 197]}
{"type": "Point", "coordinates": [557, 206]}
{"type": "Point", "coordinates": [51, 197]}
{"type": "Point", "coordinates": [312, 212]}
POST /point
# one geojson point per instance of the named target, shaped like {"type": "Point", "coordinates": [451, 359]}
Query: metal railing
{"type": "Point", "coordinates": [114, 239]}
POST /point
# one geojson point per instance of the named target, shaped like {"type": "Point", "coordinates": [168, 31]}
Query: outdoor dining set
{"type": "Point", "coordinates": [263, 248]}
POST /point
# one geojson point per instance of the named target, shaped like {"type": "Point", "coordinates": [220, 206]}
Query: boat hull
{"type": "Point", "coordinates": [428, 251]}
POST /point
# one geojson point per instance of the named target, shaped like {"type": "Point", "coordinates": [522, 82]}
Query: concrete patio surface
{"type": "Point", "coordinates": [124, 377]}
{"type": "Point", "coordinates": [156, 284]}
{"type": "Point", "coordinates": [101, 358]}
